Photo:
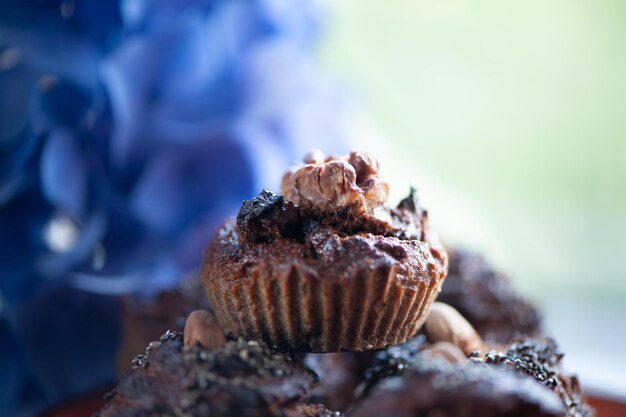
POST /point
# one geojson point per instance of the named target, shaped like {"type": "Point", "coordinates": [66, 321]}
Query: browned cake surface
{"type": "Point", "coordinates": [338, 242]}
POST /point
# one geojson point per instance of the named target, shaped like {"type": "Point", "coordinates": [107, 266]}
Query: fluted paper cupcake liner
{"type": "Point", "coordinates": [295, 310]}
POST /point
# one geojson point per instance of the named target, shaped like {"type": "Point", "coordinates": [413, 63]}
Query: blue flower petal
{"type": "Point", "coordinates": [160, 117]}
{"type": "Point", "coordinates": [17, 86]}
{"type": "Point", "coordinates": [98, 22]}
{"type": "Point", "coordinates": [64, 104]}
{"type": "Point", "coordinates": [185, 181]}
{"type": "Point", "coordinates": [63, 174]}
{"type": "Point", "coordinates": [22, 220]}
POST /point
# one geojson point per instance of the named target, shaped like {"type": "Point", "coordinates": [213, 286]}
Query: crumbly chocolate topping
{"type": "Point", "coordinates": [267, 217]}
{"type": "Point", "coordinates": [393, 361]}
{"type": "Point", "coordinates": [537, 361]}
{"type": "Point", "coordinates": [335, 182]}
{"type": "Point", "coordinates": [430, 388]}
{"type": "Point", "coordinates": [541, 360]}
{"type": "Point", "coordinates": [270, 216]}
{"type": "Point", "coordinates": [243, 378]}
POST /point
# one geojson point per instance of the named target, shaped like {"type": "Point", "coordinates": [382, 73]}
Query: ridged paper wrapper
{"type": "Point", "coordinates": [296, 310]}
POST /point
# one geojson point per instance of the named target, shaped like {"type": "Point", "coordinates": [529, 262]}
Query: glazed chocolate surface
{"type": "Point", "coordinates": [241, 379]}
{"type": "Point", "coordinates": [487, 299]}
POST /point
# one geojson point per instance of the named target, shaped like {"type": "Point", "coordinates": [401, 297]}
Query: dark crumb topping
{"type": "Point", "coordinates": [437, 388]}
{"type": "Point", "coordinates": [246, 364]}
{"type": "Point", "coordinates": [268, 217]}
{"type": "Point", "coordinates": [536, 359]}
{"type": "Point", "coordinates": [393, 361]}
{"type": "Point", "coordinates": [246, 378]}
{"type": "Point", "coordinates": [533, 362]}
{"type": "Point", "coordinates": [541, 360]}
{"type": "Point", "coordinates": [241, 378]}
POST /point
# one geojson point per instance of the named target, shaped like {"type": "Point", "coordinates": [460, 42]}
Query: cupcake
{"type": "Point", "coordinates": [328, 265]}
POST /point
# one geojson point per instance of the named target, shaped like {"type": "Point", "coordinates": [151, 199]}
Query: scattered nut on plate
{"type": "Point", "coordinates": [203, 329]}
{"type": "Point", "coordinates": [445, 324]}
{"type": "Point", "coordinates": [446, 350]}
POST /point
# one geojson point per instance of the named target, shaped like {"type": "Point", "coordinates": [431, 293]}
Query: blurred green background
{"type": "Point", "coordinates": [510, 117]}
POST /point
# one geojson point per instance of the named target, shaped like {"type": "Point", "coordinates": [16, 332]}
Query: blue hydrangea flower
{"type": "Point", "coordinates": [128, 131]}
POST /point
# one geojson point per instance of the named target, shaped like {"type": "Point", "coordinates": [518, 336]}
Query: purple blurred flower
{"type": "Point", "coordinates": [128, 131]}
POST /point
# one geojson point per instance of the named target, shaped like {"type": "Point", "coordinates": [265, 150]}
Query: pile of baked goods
{"type": "Point", "coordinates": [326, 301]}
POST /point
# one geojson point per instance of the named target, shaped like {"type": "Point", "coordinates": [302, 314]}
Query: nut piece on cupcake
{"type": "Point", "coordinates": [329, 265]}
{"type": "Point", "coordinates": [333, 182]}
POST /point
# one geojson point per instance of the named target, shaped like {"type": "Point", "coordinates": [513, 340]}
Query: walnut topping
{"type": "Point", "coordinates": [337, 182]}
{"type": "Point", "coordinates": [364, 164]}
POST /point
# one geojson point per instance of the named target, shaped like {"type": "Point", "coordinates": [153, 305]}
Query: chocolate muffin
{"type": "Point", "coordinates": [419, 365]}
{"type": "Point", "coordinates": [351, 378]}
{"type": "Point", "coordinates": [435, 388]}
{"type": "Point", "coordinates": [238, 379]}
{"type": "Point", "coordinates": [487, 299]}
{"type": "Point", "coordinates": [328, 266]}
